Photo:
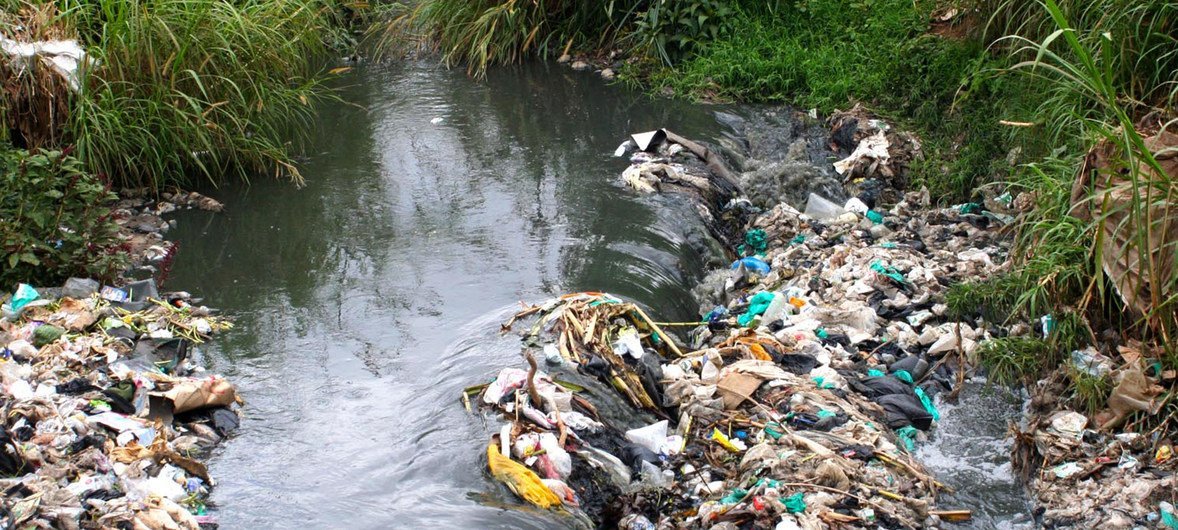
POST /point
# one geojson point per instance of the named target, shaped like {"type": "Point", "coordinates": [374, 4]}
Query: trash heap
{"type": "Point", "coordinates": [105, 418]}
{"type": "Point", "coordinates": [1125, 474]}
{"type": "Point", "coordinates": [807, 385]}
{"type": "Point", "coordinates": [1114, 468]}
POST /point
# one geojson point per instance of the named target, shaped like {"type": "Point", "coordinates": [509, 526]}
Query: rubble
{"type": "Point", "coordinates": [795, 402]}
{"type": "Point", "coordinates": [106, 417]}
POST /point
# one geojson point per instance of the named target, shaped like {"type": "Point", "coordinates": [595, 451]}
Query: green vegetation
{"type": "Point", "coordinates": [1009, 360]}
{"type": "Point", "coordinates": [481, 33]}
{"type": "Point", "coordinates": [887, 54]}
{"type": "Point", "coordinates": [179, 90]}
{"type": "Point", "coordinates": [173, 93]}
{"type": "Point", "coordinates": [1008, 93]}
{"type": "Point", "coordinates": [54, 222]}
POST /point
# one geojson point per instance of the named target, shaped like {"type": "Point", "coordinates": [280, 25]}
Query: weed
{"type": "Point", "coordinates": [481, 33]}
{"type": "Point", "coordinates": [189, 89]}
{"type": "Point", "coordinates": [1015, 360]}
{"type": "Point", "coordinates": [1089, 392]}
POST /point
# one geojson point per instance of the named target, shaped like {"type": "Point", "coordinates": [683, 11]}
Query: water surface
{"type": "Point", "coordinates": [367, 300]}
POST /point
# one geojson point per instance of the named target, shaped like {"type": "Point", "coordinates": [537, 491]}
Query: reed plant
{"type": "Point", "coordinates": [1096, 95]}
{"type": "Point", "coordinates": [184, 91]}
{"type": "Point", "coordinates": [481, 33]}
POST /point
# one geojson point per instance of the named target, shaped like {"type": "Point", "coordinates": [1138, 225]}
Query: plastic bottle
{"type": "Point", "coordinates": [776, 309]}
{"type": "Point", "coordinates": [821, 209]}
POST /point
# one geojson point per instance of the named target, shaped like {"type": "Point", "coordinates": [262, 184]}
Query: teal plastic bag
{"type": "Point", "coordinates": [24, 294]}
{"type": "Point", "coordinates": [755, 242]}
{"type": "Point", "coordinates": [1168, 517]}
{"type": "Point", "coordinates": [888, 271]}
{"type": "Point", "coordinates": [907, 436]}
{"type": "Point", "coordinates": [795, 503]}
{"type": "Point", "coordinates": [757, 306]}
{"type": "Point", "coordinates": [734, 496]}
{"type": "Point", "coordinates": [903, 375]}
{"type": "Point", "coordinates": [928, 404]}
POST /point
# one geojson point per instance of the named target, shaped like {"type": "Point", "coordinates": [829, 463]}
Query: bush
{"type": "Point", "coordinates": [670, 29]}
{"type": "Point", "coordinates": [55, 221]}
{"type": "Point", "coordinates": [828, 55]}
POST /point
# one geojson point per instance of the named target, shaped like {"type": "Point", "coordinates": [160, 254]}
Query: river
{"type": "Point", "coordinates": [366, 300]}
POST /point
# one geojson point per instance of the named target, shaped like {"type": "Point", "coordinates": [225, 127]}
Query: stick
{"type": "Point", "coordinates": [952, 515]}
{"type": "Point", "coordinates": [666, 338]}
{"type": "Point", "coordinates": [532, 368]}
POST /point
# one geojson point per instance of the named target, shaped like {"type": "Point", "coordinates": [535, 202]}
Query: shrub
{"type": "Point", "coordinates": [55, 221]}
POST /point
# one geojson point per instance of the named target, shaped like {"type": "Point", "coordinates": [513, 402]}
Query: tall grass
{"type": "Point", "coordinates": [1143, 58]}
{"type": "Point", "coordinates": [885, 54]}
{"type": "Point", "coordinates": [481, 33]}
{"type": "Point", "coordinates": [189, 90]}
{"type": "Point", "coordinates": [1091, 71]}
{"type": "Point", "coordinates": [1105, 203]}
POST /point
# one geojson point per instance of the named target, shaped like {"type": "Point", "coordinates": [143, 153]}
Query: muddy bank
{"type": "Point", "coordinates": [799, 397]}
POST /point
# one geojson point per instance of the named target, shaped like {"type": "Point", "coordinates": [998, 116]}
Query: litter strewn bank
{"type": "Point", "coordinates": [105, 416]}
{"type": "Point", "coordinates": [796, 400]}
{"type": "Point", "coordinates": [105, 413]}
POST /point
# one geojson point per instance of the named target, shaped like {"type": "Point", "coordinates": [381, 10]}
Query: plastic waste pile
{"type": "Point", "coordinates": [105, 418]}
{"type": "Point", "coordinates": [742, 437]}
{"type": "Point", "coordinates": [796, 408]}
{"type": "Point", "coordinates": [805, 387]}
{"type": "Point", "coordinates": [1125, 475]}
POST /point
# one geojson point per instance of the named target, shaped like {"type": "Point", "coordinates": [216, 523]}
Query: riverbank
{"type": "Point", "coordinates": [108, 413]}
{"type": "Point", "coordinates": [995, 99]}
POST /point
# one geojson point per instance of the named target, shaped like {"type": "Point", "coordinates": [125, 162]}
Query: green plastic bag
{"type": "Point", "coordinates": [45, 334]}
{"type": "Point", "coordinates": [755, 242]}
{"type": "Point", "coordinates": [907, 435]}
{"type": "Point", "coordinates": [795, 503]}
{"type": "Point", "coordinates": [928, 404]}
{"type": "Point", "coordinates": [757, 306]}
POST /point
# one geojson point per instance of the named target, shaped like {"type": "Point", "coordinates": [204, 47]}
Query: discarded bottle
{"type": "Point", "coordinates": [777, 308]}
{"type": "Point", "coordinates": [821, 209]}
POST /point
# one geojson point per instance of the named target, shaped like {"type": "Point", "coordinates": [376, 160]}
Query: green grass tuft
{"type": "Point", "coordinates": [189, 90]}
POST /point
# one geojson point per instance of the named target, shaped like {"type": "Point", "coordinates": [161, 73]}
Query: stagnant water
{"type": "Point", "coordinates": [367, 300]}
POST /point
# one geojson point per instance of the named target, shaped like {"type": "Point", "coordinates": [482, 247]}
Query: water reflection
{"type": "Point", "coordinates": [365, 301]}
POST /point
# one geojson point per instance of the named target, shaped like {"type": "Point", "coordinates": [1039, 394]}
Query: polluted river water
{"type": "Point", "coordinates": [365, 301]}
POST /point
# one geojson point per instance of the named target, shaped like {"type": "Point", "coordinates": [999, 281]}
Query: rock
{"type": "Point", "coordinates": [564, 58]}
{"type": "Point", "coordinates": [80, 288]}
{"type": "Point", "coordinates": [608, 74]}
{"type": "Point", "coordinates": [580, 65]}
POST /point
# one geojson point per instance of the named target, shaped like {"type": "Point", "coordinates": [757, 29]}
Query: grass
{"type": "Point", "coordinates": [481, 33]}
{"type": "Point", "coordinates": [827, 55]}
{"type": "Point", "coordinates": [189, 90]}
{"type": "Point", "coordinates": [1107, 75]}
{"type": "Point", "coordinates": [1009, 360]}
